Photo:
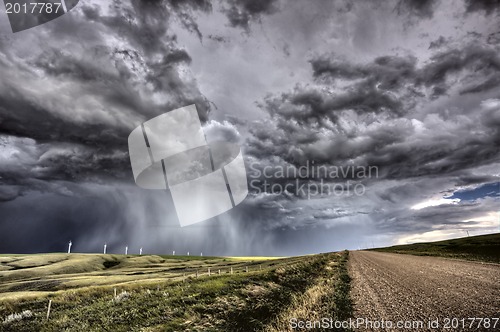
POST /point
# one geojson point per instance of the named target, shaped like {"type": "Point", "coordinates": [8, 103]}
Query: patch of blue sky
{"type": "Point", "coordinates": [486, 190]}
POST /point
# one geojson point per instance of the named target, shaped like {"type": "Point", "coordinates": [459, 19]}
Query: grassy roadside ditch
{"type": "Point", "coordinates": [327, 298]}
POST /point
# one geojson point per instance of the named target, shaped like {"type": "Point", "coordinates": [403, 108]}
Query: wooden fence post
{"type": "Point", "coordinates": [48, 309]}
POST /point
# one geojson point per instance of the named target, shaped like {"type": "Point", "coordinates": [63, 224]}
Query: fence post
{"type": "Point", "coordinates": [231, 270]}
{"type": "Point", "coordinates": [196, 273]}
{"type": "Point", "coordinates": [115, 292]}
{"type": "Point", "coordinates": [48, 309]}
{"type": "Point", "coordinates": [246, 268]}
{"type": "Point", "coordinates": [219, 271]}
{"type": "Point", "coordinates": [209, 272]}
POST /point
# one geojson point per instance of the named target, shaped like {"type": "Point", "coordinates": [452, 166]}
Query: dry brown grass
{"type": "Point", "coordinates": [307, 306]}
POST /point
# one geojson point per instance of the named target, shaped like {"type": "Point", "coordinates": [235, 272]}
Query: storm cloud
{"type": "Point", "coordinates": [410, 88]}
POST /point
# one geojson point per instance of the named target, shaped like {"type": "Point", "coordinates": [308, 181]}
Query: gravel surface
{"type": "Point", "coordinates": [412, 289]}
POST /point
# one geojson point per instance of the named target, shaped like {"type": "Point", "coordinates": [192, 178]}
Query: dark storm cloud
{"type": "Point", "coordinates": [241, 13]}
{"type": "Point", "coordinates": [54, 219]}
{"type": "Point", "coordinates": [398, 147]}
{"type": "Point", "coordinates": [421, 105]}
{"type": "Point", "coordinates": [486, 6]}
{"type": "Point", "coordinates": [149, 33]}
{"type": "Point", "coordinates": [480, 61]}
{"type": "Point", "coordinates": [72, 140]}
{"type": "Point", "coordinates": [61, 161]}
{"type": "Point", "coordinates": [110, 216]}
{"type": "Point", "coordinates": [123, 215]}
{"type": "Point", "coordinates": [66, 110]}
{"type": "Point", "coordinates": [493, 38]}
{"type": "Point", "coordinates": [489, 83]}
{"type": "Point", "coordinates": [468, 179]}
{"type": "Point", "coordinates": [369, 94]}
{"type": "Point", "coordinates": [393, 73]}
{"type": "Point", "coordinates": [390, 86]}
{"type": "Point", "coordinates": [147, 22]}
{"type": "Point", "coordinates": [9, 193]}
{"type": "Point", "coordinates": [419, 8]}
{"type": "Point", "coordinates": [371, 114]}
{"type": "Point", "coordinates": [37, 122]}
{"type": "Point", "coordinates": [185, 12]}
{"type": "Point", "coordinates": [438, 42]}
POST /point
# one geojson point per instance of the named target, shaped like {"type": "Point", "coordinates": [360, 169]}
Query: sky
{"type": "Point", "coordinates": [390, 109]}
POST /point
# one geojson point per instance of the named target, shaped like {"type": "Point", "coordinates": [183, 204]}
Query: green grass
{"type": "Point", "coordinates": [342, 302]}
{"type": "Point", "coordinates": [482, 248]}
{"type": "Point", "coordinates": [163, 292]}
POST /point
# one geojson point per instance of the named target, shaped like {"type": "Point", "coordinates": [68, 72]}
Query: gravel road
{"type": "Point", "coordinates": [405, 289]}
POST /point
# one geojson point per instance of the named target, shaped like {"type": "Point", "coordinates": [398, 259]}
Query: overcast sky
{"type": "Point", "coordinates": [409, 88]}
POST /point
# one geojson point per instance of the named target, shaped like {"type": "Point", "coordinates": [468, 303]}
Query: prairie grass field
{"type": "Point", "coordinates": [96, 292]}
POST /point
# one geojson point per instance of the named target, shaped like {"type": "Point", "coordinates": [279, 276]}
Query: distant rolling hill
{"type": "Point", "coordinates": [482, 248]}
